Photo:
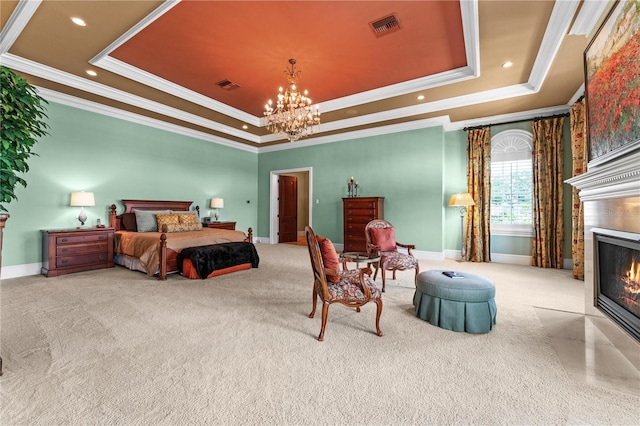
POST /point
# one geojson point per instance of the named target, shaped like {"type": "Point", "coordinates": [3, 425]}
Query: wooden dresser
{"type": "Point", "coordinates": [357, 212]}
{"type": "Point", "coordinates": [72, 250]}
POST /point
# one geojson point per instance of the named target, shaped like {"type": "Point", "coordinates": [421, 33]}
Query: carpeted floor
{"type": "Point", "coordinates": [115, 347]}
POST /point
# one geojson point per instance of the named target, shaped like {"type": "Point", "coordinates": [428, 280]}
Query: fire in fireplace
{"type": "Point", "coordinates": [618, 280]}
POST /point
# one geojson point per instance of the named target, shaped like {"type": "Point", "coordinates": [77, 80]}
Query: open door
{"type": "Point", "coordinates": [288, 209]}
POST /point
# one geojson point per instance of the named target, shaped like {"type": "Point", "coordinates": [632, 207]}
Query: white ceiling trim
{"type": "Point", "coordinates": [505, 118]}
{"type": "Point", "coordinates": [443, 121]}
{"type": "Point", "coordinates": [588, 16]}
{"type": "Point", "coordinates": [356, 134]}
{"type": "Point", "coordinates": [471, 30]}
{"type": "Point", "coordinates": [136, 74]}
{"type": "Point", "coordinates": [72, 101]}
{"type": "Point", "coordinates": [561, 17]}
{"type": "Point", "coordinates": [99, 89]}
{"type": "Point", "coordinates": [17, 21]}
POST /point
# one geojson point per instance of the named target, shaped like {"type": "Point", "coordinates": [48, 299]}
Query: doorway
{"type": "Point", "coordinates": [304, 177]}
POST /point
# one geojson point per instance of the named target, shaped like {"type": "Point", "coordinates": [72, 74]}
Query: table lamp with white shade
{"type": "Point", "coordinates": [82, 199]}
{"type": "Point", "coordinates": [217, 203]}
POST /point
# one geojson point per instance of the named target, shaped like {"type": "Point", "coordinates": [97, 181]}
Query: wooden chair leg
{"type": "Point", "coordinates": [315, 299]}
{"type": "Point", "coordinates": [378, 313]}
{"type": "Point", "coordinates": [325, 313]}
{"type": "Point", "coordinates": [383, 280]}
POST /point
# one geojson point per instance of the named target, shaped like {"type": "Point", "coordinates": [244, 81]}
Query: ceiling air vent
{"type": "Point", "coordinates": [228, 85]}
{"type": "Point", "coordinates": [384, 26]}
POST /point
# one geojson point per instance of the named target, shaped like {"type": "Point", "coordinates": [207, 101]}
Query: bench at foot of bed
{"type": "Point", "coordinates": [217, 259]}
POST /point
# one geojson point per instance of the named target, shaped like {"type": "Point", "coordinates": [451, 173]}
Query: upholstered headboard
{"type": "Point", "coordinates": [115, 220]}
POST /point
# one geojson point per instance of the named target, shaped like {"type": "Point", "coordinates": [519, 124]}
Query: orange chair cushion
{"type": "Point", "coordinates": [385, 238]}
{"type": "Point", "coordinates": [329, 256]}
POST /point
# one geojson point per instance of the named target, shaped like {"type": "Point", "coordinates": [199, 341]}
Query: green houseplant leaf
{"type": "Point", "coordinates": [23, 113]}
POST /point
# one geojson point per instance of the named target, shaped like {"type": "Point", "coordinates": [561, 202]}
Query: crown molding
{"type": "Point", "coordinates": [136, 74]}
{"type": "Point", "coordinates": [561, 18]}
{"type": "Point", "coordinates": [588, 17]}
{"type": "Point", "coordinates": [99, 89]}
{"type": "Point", "coordinates": [17, 21]}
{"type": "Point", "coordinates": [72, 101]}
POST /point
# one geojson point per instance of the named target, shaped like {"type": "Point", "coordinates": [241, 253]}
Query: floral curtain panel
{"type": "Point", "coordinates": [548, 229]}
{"type": "Point", "coordinates": [479, 186]}
{"type": "Point", "coordinates": [580, 159]}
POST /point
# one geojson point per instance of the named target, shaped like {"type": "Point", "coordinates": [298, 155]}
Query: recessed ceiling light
{"type": "Point", "coordinates": [245, 127]}
{"type": "Point", "coordinates": [507, 64]}
{"type": "Point", "coordinates": [79, 21]}
{"type": "Point", "coordinates": [92, 73]}
{"type": "Point", "coordinates": [420, 97]}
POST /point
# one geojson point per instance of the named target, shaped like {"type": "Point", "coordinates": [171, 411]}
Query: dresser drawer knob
{"type": "Point", "coordinates": [64, 240]}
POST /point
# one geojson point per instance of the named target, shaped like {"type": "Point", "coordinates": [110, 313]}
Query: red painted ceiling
{"type": "Point", "coordinates": [197, 44]}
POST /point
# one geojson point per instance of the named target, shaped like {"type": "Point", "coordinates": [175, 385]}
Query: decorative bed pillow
{"type": "Point", "coordinates": [385, 238]}
{"type": "Point", "coordinates": [329, 256]}
{"type": "Point", "coordinates": [181, 227]}
{"type": "Point", "coordinates": [165, 219]}
{"type": "Point", "coordinates": [146, 219]}
{"type": "Point", "coordinates": [128, 222]}
{"type": "Point", "coordinates": [187, 218]}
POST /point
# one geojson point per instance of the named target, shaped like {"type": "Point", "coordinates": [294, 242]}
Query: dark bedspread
{"type": "Point", "coordinates": [206, 259]}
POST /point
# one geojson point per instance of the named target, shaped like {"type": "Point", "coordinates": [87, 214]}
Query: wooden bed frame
{"type": "Point", "coordinates": [168, 262]}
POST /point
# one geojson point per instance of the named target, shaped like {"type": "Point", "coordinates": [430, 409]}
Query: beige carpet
{"type": "Point", "coordinates": [115, 347]}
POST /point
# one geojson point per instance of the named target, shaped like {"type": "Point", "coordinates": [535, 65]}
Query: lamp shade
{"type": "Point", "coordinates": [217, 203]}
{"type": "Point", "coordinates": [461, 199]}
{"type": "Point", "coordinates": [82, 199]}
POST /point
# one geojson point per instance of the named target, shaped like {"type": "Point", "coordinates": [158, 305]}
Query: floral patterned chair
{"type": "Point", "coordinates": [381, 241]}
{"type": "Point", "coordinates": [352, 288]}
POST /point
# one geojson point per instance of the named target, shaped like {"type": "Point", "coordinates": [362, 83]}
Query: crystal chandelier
{"type": "Point", "coordinates": [293, 114]}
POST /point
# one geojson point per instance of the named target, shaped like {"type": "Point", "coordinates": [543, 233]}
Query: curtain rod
{"type": "Point", "coordinates": [565, 114]}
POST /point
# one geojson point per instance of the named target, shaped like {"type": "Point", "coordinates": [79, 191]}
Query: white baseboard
{"type": "Point", "coordinates": [17, 271]}
{"type": "Point", "coordinates": [513, 259]}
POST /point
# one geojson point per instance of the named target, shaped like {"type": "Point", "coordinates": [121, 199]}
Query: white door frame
{"type": "Point", "coordinates": [273, 200]}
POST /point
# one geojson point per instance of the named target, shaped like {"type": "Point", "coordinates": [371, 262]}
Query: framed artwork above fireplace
{"type": "Point", "coordinates": [612, 84]}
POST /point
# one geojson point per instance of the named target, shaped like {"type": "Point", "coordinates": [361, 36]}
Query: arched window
{"type": "Point", "coordinates": [511, 183]}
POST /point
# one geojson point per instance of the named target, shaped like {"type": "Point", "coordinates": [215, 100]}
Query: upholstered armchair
{"type": "Point", "coordinates": [352, 288]}
{"type": "Point", "coordinates": [381, 241]}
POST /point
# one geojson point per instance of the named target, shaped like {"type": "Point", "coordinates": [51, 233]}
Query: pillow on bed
{"type": "Point", "coordinates": [128, 222]}
{"type": "Point", "coordinates": [146, 219]}
{"type": "Point", "coordinates": [181, 227]}
{"type": "Point", "coordinates": [165, 219]}
{"type": "Point", "coordinates": [186, 217]}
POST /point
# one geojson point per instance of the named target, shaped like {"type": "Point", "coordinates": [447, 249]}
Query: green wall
{"type": "Point", "coordinates": [406, 168]}
{"type": "Point", "coordinates": [416, 171]}
{"type": "Point", "coordinates": [117, 159]}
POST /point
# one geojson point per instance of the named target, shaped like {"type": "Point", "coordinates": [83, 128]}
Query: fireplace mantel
{"type": "Point", "coordinates": [619, 178]}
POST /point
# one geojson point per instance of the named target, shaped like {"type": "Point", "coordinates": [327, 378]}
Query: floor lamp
{"type": "Point", "coordinates": [461, 200]}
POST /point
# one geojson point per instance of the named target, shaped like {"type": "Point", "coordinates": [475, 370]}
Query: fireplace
{"type": "Point", "coordinates": [610, 193]}
{"type": "Point", "coordinates": [617, 273]}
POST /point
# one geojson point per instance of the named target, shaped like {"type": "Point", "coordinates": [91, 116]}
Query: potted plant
{"type": "Point", "coordinates": [22, 123]}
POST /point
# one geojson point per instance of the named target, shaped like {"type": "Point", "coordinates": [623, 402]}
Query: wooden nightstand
{"type": "Point", "coordinates": [72, 250]}
{"type": "Point", "coordinates": [221, 225]}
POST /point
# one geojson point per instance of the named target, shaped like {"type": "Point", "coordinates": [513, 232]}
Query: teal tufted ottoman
{"type": "Point", "coordinates": [458, 304]}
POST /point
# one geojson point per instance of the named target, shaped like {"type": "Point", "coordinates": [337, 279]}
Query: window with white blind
{"type": "Point", "coordinates": [511, 183]}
